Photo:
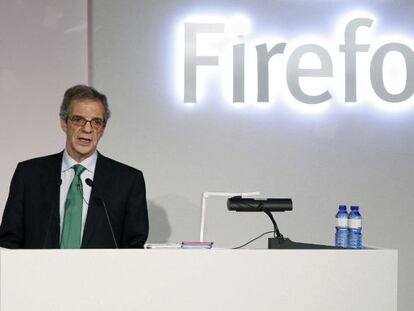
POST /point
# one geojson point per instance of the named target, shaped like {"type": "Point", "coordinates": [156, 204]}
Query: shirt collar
{"type": "Point", "coordinates": [89, 163]}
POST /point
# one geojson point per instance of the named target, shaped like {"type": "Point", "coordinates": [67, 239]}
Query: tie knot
{"type": "Point", "coordinates": [78, 169]}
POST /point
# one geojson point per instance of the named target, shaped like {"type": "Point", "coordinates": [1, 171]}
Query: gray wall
{"type": "Point", "coordinates": [347, 153]}
{"type": "Point", "coordinates": [43, 50]}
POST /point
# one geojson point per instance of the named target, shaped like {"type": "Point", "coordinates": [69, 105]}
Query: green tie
{"type": "Point", "coordinates": [72, 221]}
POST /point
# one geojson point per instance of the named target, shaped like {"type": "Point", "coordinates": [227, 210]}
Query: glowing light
{"type": "Point", "coordinates": [364, 34]}
{"type": "Point", "coordinates": [239, 25]}
{"type": "Point", "coordinates": [323, 70]}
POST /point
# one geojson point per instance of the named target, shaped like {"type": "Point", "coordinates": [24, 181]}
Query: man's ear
{"type": "Point", "coordinates": [63, 124]}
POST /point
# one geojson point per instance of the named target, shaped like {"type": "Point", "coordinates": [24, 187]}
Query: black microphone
{"type": "Point", "coordinates": [91, 184]}
{"type": "Point", "coordinates": [59, 183]}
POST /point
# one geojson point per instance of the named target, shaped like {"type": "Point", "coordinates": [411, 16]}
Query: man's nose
{"type": "Point", "coordinates": [87, 127]}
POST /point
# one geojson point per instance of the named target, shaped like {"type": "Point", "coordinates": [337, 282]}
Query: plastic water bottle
{"type": "Point", "coordinates": [354, 228]}
{"type": "Point", "coordinates": [341, 234]}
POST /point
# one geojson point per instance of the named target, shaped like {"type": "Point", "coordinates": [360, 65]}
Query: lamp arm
{"type": "Point", "coordinates": [276, 229]}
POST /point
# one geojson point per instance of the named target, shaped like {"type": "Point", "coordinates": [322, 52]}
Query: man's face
{"type": "Point", "coordinates": [81, 141]}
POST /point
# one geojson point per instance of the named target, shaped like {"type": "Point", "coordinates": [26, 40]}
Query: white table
{"type": "Point", "coordinates": [122, 280]}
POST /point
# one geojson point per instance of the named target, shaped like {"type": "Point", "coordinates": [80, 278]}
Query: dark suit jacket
{"type": "Point", "coordinates": [31, 216]}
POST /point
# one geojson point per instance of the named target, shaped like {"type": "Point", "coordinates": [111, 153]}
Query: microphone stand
{"type": "Point", "coordinates": [91, 184]}
{"type": "Point", "coordinates": [280, 242]}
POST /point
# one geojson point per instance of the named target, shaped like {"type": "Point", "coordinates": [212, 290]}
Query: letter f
{"type": "Point", "coordinates": [192, 60]}
{"type": "Point", "coordinates": [350, 48]}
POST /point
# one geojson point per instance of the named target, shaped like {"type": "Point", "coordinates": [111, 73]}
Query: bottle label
{"type": "Point", "coordinates": [355, 223]}
{"type": "Point", "coordinates": [341, 222]}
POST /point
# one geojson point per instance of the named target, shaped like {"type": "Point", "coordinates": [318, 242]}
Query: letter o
{"type": "Point", "coordinates": [377, 71]}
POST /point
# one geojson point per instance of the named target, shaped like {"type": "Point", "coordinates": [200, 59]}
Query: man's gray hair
{"type": "Point", "coordinates": [79, 92]}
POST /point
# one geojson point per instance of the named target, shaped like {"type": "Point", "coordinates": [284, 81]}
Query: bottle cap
{"type": "Point", "coordinates": [342, 207]}
{"type": "Point", "coordinates": [354, 208]}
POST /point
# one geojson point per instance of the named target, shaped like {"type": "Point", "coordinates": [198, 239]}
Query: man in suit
{"type": "Point", "coordinates": [77, 198]}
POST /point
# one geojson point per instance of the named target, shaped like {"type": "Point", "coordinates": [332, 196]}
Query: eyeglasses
{"type": "Point", "coordinates": [96, 123]}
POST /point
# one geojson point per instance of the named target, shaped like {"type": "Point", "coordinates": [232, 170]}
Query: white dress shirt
{"type": "Point", "coordinates": [67, 175]}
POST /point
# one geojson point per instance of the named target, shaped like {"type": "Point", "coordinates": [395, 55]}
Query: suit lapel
{"type": "Point", "coordinates": [51, 181]}
{"type": "Point", "coordinates": [101, 179]}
